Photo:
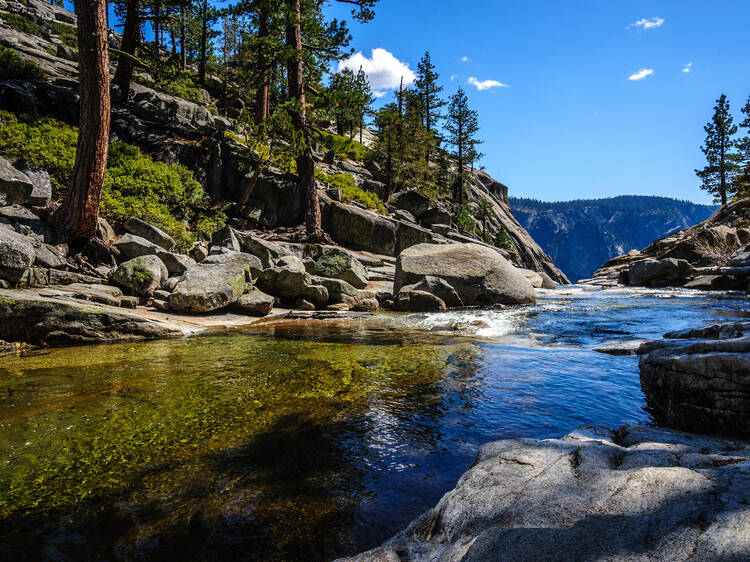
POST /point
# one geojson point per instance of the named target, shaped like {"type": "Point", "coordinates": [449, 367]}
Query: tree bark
{"type": "Point", "coordinates": [126, 63]}
{"type": "Point", "coordinates": [77, 217]}
{"type": "Point", "coordinates": [305, 161]}
{"type": "Point", "coordinates": [261, 96]}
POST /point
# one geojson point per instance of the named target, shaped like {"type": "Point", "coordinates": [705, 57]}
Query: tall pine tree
{"type": "Point", "coordinates": [429, 91]}
{"type": "Point", "coordinates": [462, 127]}
{"type": "Point", "coordinates": [742, 181]}
{"type": "Point", "coordinates": [722, 164]}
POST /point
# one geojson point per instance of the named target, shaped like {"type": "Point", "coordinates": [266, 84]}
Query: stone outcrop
{"type": "Point", "coordinates": [699, 380]}
{"type": "Point", "coordinates": [478, 274]}
{"type": "Point", "coordinates": [712, 250]}
{"type": "Point", "coordinates": [207, 287]}
{"type": "Point", "coordinates": [637, 493]}
{"type": "Point", "coordinates": [31, 318]}
{"type": "Point", "coordinates": [360, 229]}
{"type": "Point", "coordinates": [433, 285]}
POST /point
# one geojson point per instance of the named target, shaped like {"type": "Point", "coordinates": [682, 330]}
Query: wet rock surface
{"type": "Point", "coordinates": [637, 493]}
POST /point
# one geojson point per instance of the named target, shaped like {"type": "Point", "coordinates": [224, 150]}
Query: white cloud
{"type": "Point", "coordinates": [688, 68]}
{"type": "Point", "coordinates": [465, 59]}
{"type": "Point", "coordinates": [647, 23]}
{"type": "Point", "coordinates": [453, 77]}
{"type": "Point", "coordinates": [486, 84]}
{"type": "Point", "coordinates": [641, 74]}
{"type": "Point", "coordinates": [384, 71]}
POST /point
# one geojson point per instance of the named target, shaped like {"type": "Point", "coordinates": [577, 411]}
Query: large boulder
{"type": "Point", "coordinates": [254, 303]}
{"type": "Point", "coordinates": [436, 215]}
{"type": "Point", "coordinates": [356, 228]}
{"type": "Point", "coordinates": [142, 275]}
{"type": "Point", "coordinates": [668, 271]}
{"type": "Point", "coordinates": [149, 232]}
{"type": "Point", "coordinates": [438, 287]}
{"type": "Point", "coordinates": [339, 264]}
{"type": "Point", "coordinates": [132, 246]}
{"type": "Point", "coordinates": [289, 280]}
{"type": "Point", "coordinates": [49, 257]}
{"type": "Point", "coordinates": [699, 380]}
{"type": "Point", "coordinates": [413, 300]}
{"type": "Point", "coordinates": [479, 275]}
{"type": "Point", "coordinates": [248, 261]}
{"type": "Point", "coordinates": [15, 186]}
{"type": "Point", "coordinates": [16, 255]}
{"type": "Point", "coordinates": [31, 318]}
{"type": "Point", "coordinates": [741, 258]}
{"type": "Point", "coordinates": [177, 264]}
{"type": "Point", "coordinates": [264, 250]}
{"type": "Point", "coordinates": [341, 292]}
{"type": "Point", "coordinates": [634, 494]}
{"type": "Point", "coordinates": [41, 194]}
{"type": "Point", "coordinates": [409, 234]}
{"type": "Point", "coordinates": [207, 287]}
{"type": "Point", "coordinates": [411, 200]}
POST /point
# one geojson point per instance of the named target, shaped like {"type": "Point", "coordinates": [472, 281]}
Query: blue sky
{"type": "Point", "coordinates": [570, 123]}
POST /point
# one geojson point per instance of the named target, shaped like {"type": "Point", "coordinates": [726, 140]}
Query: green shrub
{"type": "Point", "coordinates": [349, 190]}
{"type": "Point", "coordinates": [343, 146]}
{"type": "Point", "coordinates": [21, 23]}
{"type": "Point", "coordinates": [463, 219]}
{"type": "Point", "coordinates": [67, 33]}
{"type": "Point", "coordinates": [181, 84]}
{"type": "Point", "coordinates": [166, 195]}
{"type": "Point", "coordinates": [13, 66]}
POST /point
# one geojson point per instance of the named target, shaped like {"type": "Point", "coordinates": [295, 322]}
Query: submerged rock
{"type": "Point", "coordinates": [638, 493]}
{"type": "Point", "coordinates": [479, 275]}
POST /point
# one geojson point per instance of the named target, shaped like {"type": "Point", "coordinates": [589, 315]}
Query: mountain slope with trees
{"type": "Point", "coordinates": [581, 235]}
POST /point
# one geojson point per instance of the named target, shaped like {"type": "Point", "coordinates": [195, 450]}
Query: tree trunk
{"type": "Point", "coordinates": [722, 174]}
{"type": "Point", "coordinates": [305, 161]}
{"type": "Point", "coordinates": [157, 27]}
{"type": "Point", "coordinates": [361, 126]}
{"type": "Point", "coordinates": [460, 164]}
{"type": "Point", "coordinates": [183, 49]}
{"type": "Point", "coordinates": [261, 96]}
{"type": "Point", "coordinates": [125, 64]}
{"type": "Point", "coordinates": [204, 41]}
{"type": "Point", "coordinates": [76, 219]}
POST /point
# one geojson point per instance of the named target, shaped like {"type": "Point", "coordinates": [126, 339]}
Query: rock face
{"type": "Point", "coordinates": [582, 235]}
{"type": "Point", "coordinates": [479, 275]}
{"type": "Point", "coordinates": [712, 248]}
{"type": "Point", "coordinates": [149, 232]}
{"type": "Point", "coordinates": [699, 380]}
{"type": "Point", "coordinates": [142, 275]}
{"type": "Point", "coordinates": [28, 317]}
{"type": "Point", "coordinates": [338, 264]}
{"type": "Point", "coordinates": [15, 186]}
{"type": "Point", "coordinates": [207, 287]}
{"type": "Point", "coordinates": [16, 255]}
{"type": "Point", "coordinates": [361, 230]}
{"type": "Point", "coordinates": [411, 201]}
{"type": "Point", "coordinates": [638, 493]}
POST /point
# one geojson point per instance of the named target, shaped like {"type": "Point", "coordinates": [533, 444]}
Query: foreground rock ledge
{"type": "Point", "coordinates": [30, 318]}
{"type": "Point", "coordinates": [638, 493]}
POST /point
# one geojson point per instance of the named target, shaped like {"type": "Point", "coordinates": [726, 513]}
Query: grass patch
{"type": "Point", "coordinates": [21, 23]}
{"type": "Point", "coordinates": [67, 33]}
{"type": "Point", "coordinates": [350, 191]}
{"type": "Point", "coordinates": [12, 66]}
{"type": "Point", "coordinates": [343, 146]}
{"type": "Point", "coordinates": [166, 195]}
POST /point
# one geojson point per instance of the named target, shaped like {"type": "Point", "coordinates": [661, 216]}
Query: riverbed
{"type": "Point", "coordinates": [305, 439]}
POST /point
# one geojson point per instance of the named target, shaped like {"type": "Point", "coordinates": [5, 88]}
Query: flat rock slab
{"type": "Point", "coordinates": [638, 493]}
{"type": "Point", "coordinates": [26, 316]}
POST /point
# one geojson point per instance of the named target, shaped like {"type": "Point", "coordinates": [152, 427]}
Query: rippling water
{"type": "Point", "coordinates": [303, 440]}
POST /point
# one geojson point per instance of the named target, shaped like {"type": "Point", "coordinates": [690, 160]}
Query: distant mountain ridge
{"type": "Point", "coordinates": [580, 235]}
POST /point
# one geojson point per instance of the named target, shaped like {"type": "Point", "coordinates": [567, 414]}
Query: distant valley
{"type": "Point", "coordinates": [581, 235]}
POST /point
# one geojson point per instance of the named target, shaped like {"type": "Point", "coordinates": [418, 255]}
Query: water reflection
{"type": "Point", "coordinates": [301, 441]}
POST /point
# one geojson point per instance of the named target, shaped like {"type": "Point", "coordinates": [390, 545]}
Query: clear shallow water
{"type": "Point", "coordinates": [303, 441]}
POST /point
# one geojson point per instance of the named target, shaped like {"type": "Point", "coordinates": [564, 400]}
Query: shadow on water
{"type": "Point", "coordinates": [298, 441]}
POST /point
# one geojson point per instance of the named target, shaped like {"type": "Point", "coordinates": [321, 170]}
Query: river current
{"type": "Point", "coordinates": [304, 440]}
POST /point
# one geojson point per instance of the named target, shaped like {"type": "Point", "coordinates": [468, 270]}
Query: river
{"type": "Point", "coordinates": [304, 440]}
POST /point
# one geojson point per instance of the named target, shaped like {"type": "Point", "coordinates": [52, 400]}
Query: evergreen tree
{"type": "Point", "coordinates": [387, 143]}
{"type": "Point", "coordinates": [461, 128]}
{"type": "Point", "coordinates": [364, 98]}
{"type": "Point", "coordinates": [77, 217]}
{"type": "Point", "coordinates": [429, 91]}
{"type": "Point", "coordinates": [742, 180]}
{"type": "Point", "coordinates": [722, 163]}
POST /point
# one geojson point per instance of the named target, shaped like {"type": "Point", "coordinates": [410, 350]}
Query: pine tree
{"type": "Point", "coordinates": [461, 129]}
{"type": "Point", "coordinates": [77, 217]}
{"type": "Point", "coordinates": [742, 180]}
{"type": "Point", "coordinates": [429, 91]}
{"type": "Point", "coordinates": [364, 98]}
{"type": "Point", "coordinates": [717, 177]}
